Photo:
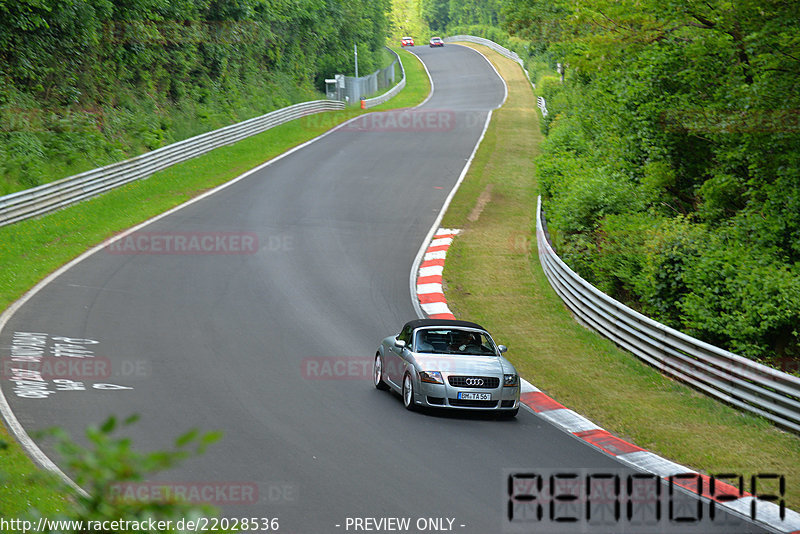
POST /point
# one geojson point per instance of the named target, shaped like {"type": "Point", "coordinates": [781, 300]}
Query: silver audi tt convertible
{"type": "Point", "coordinates": [441, 363]}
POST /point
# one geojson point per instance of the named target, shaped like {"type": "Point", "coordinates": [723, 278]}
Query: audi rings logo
{"type": "Point", "coordinates": [474, 381]}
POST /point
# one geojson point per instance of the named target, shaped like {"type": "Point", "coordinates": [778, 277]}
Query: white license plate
{"type": "Point", "coordinates": [474, 396]}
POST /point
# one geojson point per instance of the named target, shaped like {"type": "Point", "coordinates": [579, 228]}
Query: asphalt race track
{"type": "Point", "coordinates": [267, 332]}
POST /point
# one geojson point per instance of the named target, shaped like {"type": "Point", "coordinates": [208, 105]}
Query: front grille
{"type": "Point", "coordinates": [473, 403]}
{"type": "Point", "coordinates": [488, 382]}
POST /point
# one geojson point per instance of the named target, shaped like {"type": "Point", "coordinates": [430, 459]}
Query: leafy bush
{"type": "Point", "coordinates": [109, 462]}
{"type": "Point", "coordinates": [85, 84]}
{"type": "Point", "coordinates": [619, 267]}
{"type": "Point", "coordinates": [671, 249]}
{"type": "Point", "coordinates": [671, 172]}
{"type": "Point", "coordinates": [740, 299]}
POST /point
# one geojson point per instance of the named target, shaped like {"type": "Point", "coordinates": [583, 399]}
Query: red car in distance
{"type": "Point", "coordinates": [407, 41]}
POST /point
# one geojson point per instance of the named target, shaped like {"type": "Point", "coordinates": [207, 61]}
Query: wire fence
{"type": "Point", "coordinates": [353, 90]}
{"type": "Point", "coordinates": [380, 99]}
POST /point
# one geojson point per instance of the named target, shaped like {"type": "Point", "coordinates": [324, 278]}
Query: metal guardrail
{"type": "Point", "coordinates": [55, 195]}
{"type": "Point", "coordinates": [391, 93]}
{"type": "Point", "coordinates": [542, 105]}
{"type": "Point", "coordinates": [728, 377]}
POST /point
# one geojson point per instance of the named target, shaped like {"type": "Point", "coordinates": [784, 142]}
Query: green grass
{"type": "Point", "coordinates": [493, 277]}
{"type": "Point", "coordinates": [32, 249]}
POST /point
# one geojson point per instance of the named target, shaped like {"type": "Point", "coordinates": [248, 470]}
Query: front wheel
{"type": "Point", "coordinates": [377, 373]}
{"type": "Point", "coordinates": [408, 392]}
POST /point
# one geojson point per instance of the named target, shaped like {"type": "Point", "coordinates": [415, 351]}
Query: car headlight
{"type": "Point", "coordinates": [431, 377]}
{"type": "Point", "coordinates": [510, 380]}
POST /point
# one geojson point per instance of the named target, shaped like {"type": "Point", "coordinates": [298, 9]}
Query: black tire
{"type": "Point", "coordinates": [377, 373]}
{"type": "Point", "coordinates": [408, 393]}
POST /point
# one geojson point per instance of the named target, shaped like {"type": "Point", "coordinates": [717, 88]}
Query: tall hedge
{"type": "Point", "coordinates": [90, 81]}
{"type": "Point", "coordinates": [671, 172]}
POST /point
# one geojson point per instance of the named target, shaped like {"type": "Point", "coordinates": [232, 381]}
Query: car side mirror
{"type": "Point", "coordinates": [399, 343]}
{"type": "Point", "coordinates": [502, 348]}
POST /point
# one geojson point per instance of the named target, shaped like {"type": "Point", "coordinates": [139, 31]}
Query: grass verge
{"type": "Point", "coordinates": [30, 250]}
{"type": "Point", "coordinates": [493, 277]}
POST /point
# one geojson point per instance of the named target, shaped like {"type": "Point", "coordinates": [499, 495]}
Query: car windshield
{"type": "Point", "coordinates": [454, 341]}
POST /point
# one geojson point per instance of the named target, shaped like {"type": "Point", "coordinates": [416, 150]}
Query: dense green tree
{"type": "Point", "coordinates": [544, 23]}
{"type": "Point", "coordinates": [672, 167]}
{"type": "Point", "coordinates": [436, 13]}
{"type": "Point", "coordinates": [95, 80]}
{"type": "Point", "coordinates": [465, 12]}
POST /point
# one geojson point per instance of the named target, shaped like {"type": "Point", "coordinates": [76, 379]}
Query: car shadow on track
{"type": "Point", "coordinates": [455, 414]}
{"type": "Point", "coordinates": [469, 415]}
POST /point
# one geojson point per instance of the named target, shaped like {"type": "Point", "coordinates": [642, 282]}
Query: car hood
{"type": "Point", "coordinates": [455, 364]}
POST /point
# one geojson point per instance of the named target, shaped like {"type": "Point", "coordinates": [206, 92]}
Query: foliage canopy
{"type": "Point", "coordinates": [672, 166]}
{"type": "Point", "coordinates": [86, 83]}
